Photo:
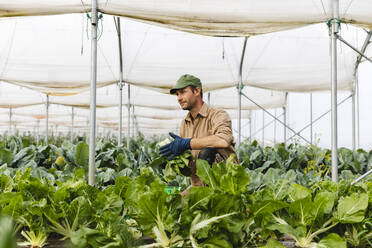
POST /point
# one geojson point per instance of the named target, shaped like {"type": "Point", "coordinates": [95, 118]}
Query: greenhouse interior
{"type": "Point", "coordinates": [93, 147]}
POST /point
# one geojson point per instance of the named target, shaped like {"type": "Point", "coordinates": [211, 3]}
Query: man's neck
{"type": "Point", "coordinates": [195, 111]}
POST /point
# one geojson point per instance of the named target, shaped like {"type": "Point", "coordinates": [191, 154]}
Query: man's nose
{"type": "Point", "coordinates": [179, 97]}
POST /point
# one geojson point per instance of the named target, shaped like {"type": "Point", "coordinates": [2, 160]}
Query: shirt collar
{"type": "Point", "coordinates": [202, 112]}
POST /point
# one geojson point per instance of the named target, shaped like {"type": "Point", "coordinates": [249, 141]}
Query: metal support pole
{"type": "Point", "coordinates": [353, 118]}
{"type": "Point", "coordinates": [10, 121]}
{"type": "Point", "coordinates": [128, 128]}
{"type": "Point", "coordinates": [72, 124]}
{"type": "Point", "coordinates": [93, 85]}
{"type": "Point", "coordinates": [209, 98]}
{"type": "Point", "coordinates": [285, 123]}
{"type": "Point", "coordinates": [263, 128]}
{"type": "Point", "coordinates": [333, 40]}
{"type": "Point", "coordinates": [133, 123]}
{"type": "Point", "coordinates": [240, 88]}
{"type": "Point", "coordinates": [362, 177]}
{"type": "Point", "coordinates": [47, 120]}
{"type": "Point", "coordinates": [353, 48]}
{"type": "Point", "coordinates": [311, 118]}
{"type": "Point", "coordinates": [285, 117]}
{"type": "Point", "coordinates": [118, 29]}
{"type": "Point", "coordinates": [38, 131]}
{"type": "Point", "coordinates": [120, 136]}
{"type": "Point", "coordinates": [275, 127]}
{"type": "Point", "coordinates": [250, 127]}
{"type": "Point", "coordinates": [356, 90]}
{"type": "Point", "coordinates": [357, 112]}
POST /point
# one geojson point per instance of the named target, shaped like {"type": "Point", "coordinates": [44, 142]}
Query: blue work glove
{"type": "Point", "coordinates": [176, 147]}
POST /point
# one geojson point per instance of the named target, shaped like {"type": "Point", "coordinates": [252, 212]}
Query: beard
{"type": "Point", "coordinates": [186, 106]}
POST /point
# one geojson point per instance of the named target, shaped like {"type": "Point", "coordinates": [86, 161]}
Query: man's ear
{"type": "Point", "coordinates": [198, 90]}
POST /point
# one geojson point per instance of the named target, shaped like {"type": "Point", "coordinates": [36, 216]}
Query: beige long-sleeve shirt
{"type": "Point", "coordinates": [209, 121]}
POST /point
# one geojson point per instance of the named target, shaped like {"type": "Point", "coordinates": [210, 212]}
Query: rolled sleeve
{"type": "Point", "coordinates": [221, 126]}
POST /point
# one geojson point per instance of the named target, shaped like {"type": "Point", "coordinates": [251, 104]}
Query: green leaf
{"type": "Point", "coordinates": [6, 183]}
{"type": "Point", "coordinates": [82, 154]}
{"type": "Point", "coordinates": [169, 173]}
{"type": "Point", "coordinates": [6, 156]}
{"type": "Point", "coordinates": [284, 228]}
{"type": "Point", "coordinates": [255, 155]}
{"type": "Point", "coordinates": [299, 192]}
{"type": "Point", "coordinates": [121, 185]}
{"type": "Point", "coordinates": [7, 239]}
{"type": "Point", "coordinates": [352, 209]}
{"type": "Point", "coordinates": [273, 243]}
{"type": "Point", "coordinates": [303, 211]}
{"type": "Point", "coordinates": [332, 241]}
{"type": "Point", "coordinates": [205, 173]}
{"type": "Point", "coordinates": [216, 242]}
{"type": "Point", "coordinates": [326, 200]}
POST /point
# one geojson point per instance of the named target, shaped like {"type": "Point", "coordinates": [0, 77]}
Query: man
{"type": "Point", "coordinates": [206, 131]}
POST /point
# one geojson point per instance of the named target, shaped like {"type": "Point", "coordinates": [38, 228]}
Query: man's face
{"type": "Point", "coordinates": [187, 98]}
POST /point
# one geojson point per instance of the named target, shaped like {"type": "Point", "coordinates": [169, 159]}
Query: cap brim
{"type": "Point", "coordinates": [173, 91]}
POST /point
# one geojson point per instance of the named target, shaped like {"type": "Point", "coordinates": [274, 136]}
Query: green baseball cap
{"type": "Point", "coordinates": [184, 81]}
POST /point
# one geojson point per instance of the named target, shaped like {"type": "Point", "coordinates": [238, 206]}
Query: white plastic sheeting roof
{"type": "Point", "coordinates": [207, 17]}
{"type": "Point", "coordinates": [162, 112]}
{"type": "Point", "coordinates": [51, 54]}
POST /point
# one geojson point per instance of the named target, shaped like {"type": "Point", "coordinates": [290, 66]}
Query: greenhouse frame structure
{"type": "Point", "coordinates": [334, 21]}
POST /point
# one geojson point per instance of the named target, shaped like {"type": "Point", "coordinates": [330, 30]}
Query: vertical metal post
{"type": "Point", "coordinates": [47, 120]}
{"type": "Point", "coordinates": [72, 124]}
{"type": "Point", "coordinates": [275, 126]}
{"type": "Point", "coordinates": [118, 29]}
{"type": "Point", "coordinates": [128, 128]}
{"type": "Point", "coordinates": [356, 87]}
{"type": "Point", "coordinates": [357, 112]}
{"type": "Point", "coordinates": [353, 118]}
{"type": "Point", "coordinates": [209, 98]}
{"type": "Point", "coordinates": [333, 40]}
{"type": "Point", "coordinates": [93, 85]}
{"type": "Point", "coordinates": [240, 88]}
{"type": "Point", "coordinates": [38, 131]}
{"type": "Point", "coordinates": [120, 136]}
{"type": "Point", "coordinates": [10, 121]}
{"type": "Point", "coordinates": [133, 123]}
{"type": "Point", "coordinates": [263, 128]}
{"type": "Point", "coordinates": [285, 117]}
{"type": "Point", "coordinates": [311, 118]}
{"type": "Point", "coordinates": [250, 126]}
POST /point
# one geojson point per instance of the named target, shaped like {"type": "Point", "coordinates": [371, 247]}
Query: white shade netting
{"type": "Point", "coordinates": [51, 54]}
{"type": "Point", "coordinates": [208, 17]}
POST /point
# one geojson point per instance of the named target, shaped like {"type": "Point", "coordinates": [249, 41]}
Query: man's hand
{"type": "Point", "coordinates": [176, 147]}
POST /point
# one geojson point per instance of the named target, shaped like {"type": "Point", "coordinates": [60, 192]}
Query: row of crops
{"type": "Point", "coordinates": [279, 196]}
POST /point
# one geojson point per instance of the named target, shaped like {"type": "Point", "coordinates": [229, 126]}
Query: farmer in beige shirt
{"type": "Point", "coordinates": [206, 131]}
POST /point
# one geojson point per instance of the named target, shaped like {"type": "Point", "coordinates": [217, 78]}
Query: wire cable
{"type": "Point", "coordinates": [348, 7]}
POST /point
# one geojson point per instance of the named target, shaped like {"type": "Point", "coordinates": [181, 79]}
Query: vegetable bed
{"type": "Point", "coordinates": [278, 196]}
